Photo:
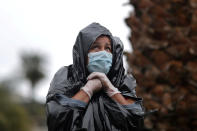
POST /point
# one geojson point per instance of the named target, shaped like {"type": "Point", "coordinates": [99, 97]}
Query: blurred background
{"type": "Point", "coordinates": [160, 40]}
{"type": "Point", "coordinates": [36, 39]}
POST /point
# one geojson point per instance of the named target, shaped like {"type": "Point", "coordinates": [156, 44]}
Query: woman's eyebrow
{"type": "Point", "coordinates": [96, 43]}
{"type": "Point", "coordinates": [108, 44]}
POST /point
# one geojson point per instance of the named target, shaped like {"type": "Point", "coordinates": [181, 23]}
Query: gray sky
{"type": "Point", "coordinates": [50, 27]}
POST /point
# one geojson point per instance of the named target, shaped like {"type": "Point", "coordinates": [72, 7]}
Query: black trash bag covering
{"type": "Point", "coordinates": [101, 113]}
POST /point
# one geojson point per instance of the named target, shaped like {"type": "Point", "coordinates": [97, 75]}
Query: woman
{"type": "Point", "coordinates": [93, 93]}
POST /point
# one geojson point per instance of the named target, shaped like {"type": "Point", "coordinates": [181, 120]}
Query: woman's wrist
{"type": "Point", "coordinates": [111, 90]}
{"type": "Point", "coordinates": [120, 99]}
{"type": "Point", "coordinates": [82, 96]}
{"type": "Point", "coordinates": [88, 91]}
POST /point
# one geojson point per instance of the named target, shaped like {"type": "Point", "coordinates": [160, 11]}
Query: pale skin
{"type": "Point", "coordinates": [102, 43]}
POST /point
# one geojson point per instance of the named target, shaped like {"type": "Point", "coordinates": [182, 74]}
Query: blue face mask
{"type": "Point", "coordinates": [99, 62]}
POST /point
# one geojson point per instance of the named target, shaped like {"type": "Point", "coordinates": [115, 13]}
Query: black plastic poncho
{"type": "Point", "coordinates": [101, 113]}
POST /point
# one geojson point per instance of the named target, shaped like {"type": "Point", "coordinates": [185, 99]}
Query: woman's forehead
{"type": "Point", "coordinates": [103, 38]}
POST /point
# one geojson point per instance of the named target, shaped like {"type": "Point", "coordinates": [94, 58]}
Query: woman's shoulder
{"type": "Point", "coordinates": [63, 71]}
{"type": "Point", "coordinates": [60, 76]}
{"type": "Point", "coordinates": [60, 79]}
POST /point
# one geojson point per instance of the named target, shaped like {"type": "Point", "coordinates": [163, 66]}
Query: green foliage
{"type": "Point", "coordinates": [37, 112]}
{"type": "Point", "coordinates": [13, 117]}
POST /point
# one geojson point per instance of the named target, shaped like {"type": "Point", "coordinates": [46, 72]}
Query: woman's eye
{"type": "Point", "coordinates": [94, 47]}
{"type": "Point", "coordinates": [108, 49]}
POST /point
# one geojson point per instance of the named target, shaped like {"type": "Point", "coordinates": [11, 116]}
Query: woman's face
{"type": "Point", "coordinates": [102, 43]}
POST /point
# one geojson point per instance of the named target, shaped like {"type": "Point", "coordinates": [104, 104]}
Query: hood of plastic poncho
{"type": "Point", "coordinates": [85, 39]}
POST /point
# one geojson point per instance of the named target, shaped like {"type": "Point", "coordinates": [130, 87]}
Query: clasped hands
{"type": "Point", "coordinates": [97, 81]}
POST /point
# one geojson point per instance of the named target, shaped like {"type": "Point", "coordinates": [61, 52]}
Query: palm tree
{"type": "Point", "coordinates": [164, 41]}
{"type": "Point", "coordinates": [32, 65]}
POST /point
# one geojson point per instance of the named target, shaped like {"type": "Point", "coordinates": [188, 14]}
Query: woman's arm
{"type": "Point", "coordinates": [82, 96]}
{"type": "Point", "coordinates": [112, 91]}
{"type": "Point", "coordinates": [95, 85]}
{"type": "Point", "coordinates": [122, 100]}
{"type": "Point", "coordinates": [60, 108]}
{"type": "Point", "coordinates": [88, 90]}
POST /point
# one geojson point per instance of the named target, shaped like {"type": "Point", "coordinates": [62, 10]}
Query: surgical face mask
{"type": "Point", "coordinates": [99, 62]}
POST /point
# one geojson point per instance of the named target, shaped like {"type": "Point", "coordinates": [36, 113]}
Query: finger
{"type": "Point", "coordinates": [94, 75]}
{"type": "Point", "coordinates": [96, 80]}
